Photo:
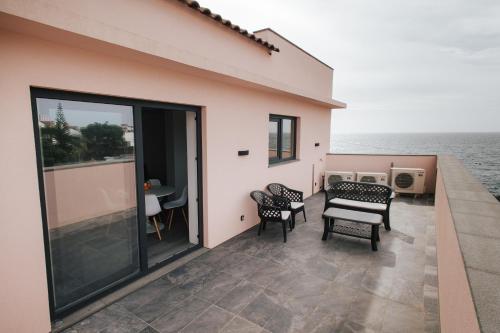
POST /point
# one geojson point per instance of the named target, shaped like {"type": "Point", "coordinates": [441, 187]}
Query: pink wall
{"type": "Point", "coordinates": [77, 194]}
{"type": "Point", "coordinates": [234, 117]}
{"type": "Point", "coordinates": [456, 309]}
{"type": "Point", "coordinates": [382, 163]}
{"type": "Point", "coordinates": [176, 32]}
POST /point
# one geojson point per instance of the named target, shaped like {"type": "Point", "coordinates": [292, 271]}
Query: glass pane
{"type": "Point", "coordinates": [273, 139]}
{"type": "Point", "coordinates": [90, 193]}
{"type": "Point", "coordinates": [287, 139]}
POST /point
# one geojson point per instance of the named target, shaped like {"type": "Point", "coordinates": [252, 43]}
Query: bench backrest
{"type": "Point", "coordinates": [366, 192]}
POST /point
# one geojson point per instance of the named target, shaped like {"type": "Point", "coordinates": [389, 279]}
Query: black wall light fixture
{"type": "Point", "coordinates": [316, 144]}
{"type": "Point", "coordinates": [243, 152]}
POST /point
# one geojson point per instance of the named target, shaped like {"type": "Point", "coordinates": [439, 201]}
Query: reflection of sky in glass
{"type": "Point", "coordinates": [286, 140]}
{"type": "Point", "coordinates": [287, 126]}
{"type": "Point", "coordinates": [273, 134]}
{"type": "Point", "coordinates": [83, 113]}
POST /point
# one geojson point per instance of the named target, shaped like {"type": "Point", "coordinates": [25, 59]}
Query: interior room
{"type": "Point", "coordinates": [166, 138]}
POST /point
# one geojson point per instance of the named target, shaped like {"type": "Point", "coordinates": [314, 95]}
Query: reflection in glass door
{"type": "Point", "coordinates": [89, 179]}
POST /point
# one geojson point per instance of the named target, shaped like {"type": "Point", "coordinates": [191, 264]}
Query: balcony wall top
{"type": "Point", "coordinates": [476, 217]}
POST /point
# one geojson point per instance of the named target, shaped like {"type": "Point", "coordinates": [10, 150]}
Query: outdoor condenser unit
{"type": "Point", "coordinates": [335, 176]}
{"type": "Point", "coordinates": [372, 177]}
{"type": "Point", "coordinates": [408, 180]}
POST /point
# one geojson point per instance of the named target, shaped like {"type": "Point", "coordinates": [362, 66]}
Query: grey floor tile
{"type": "Point", "coordinates": [401, 318]}
{"type": "Point", "coordinates": [212, 320]}
{"type": "Point", "coordinates": [263, 308]}
{"type": "Point", "coordinates": [146, 294]}
{"type": "Point", "coordinates": [260, 284]}
{"type": "Point", "coordinates": [178, 318]}
{"type": "Point", "coordinates": [240, 325]}
{"type": "Point", "coordinates": [111, 319]}
{"type": "Point", "coordinates": [188, 272]}
{"type": "Point", "coordinates": [379, 281]}
{"type": "Point", "coordinates": [162, 304]}
{"type": "Point", "coordinates": [368, 311]}
{"type": "Point", "coordinates": [408, 292]}
{"type": "Point", "coordinates": [238, 298]}
{"type": "Point", "coordinates": [149, 329]}
{"type": "Point", "coordinates": [267, 274]}
{"type": "Point", "coordinates": [217, 287]}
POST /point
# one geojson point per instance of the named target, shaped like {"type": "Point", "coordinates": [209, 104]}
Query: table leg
{"type": "Point", "coordinates": [326, 229]}
{"type": "Point", "coordinates": [374, 237]}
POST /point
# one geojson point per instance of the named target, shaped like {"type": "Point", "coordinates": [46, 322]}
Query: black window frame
{"type": "Point", "coordinates": [138, 105]}
{"type": "Point", "coordinates": [279, 119]}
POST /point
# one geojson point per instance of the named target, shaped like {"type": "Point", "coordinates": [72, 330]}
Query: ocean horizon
{"type": "Point", "coordinates": [479, 151]}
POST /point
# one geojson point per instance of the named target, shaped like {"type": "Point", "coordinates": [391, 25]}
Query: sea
{"type": "Point", "coordinates": [480, 152]}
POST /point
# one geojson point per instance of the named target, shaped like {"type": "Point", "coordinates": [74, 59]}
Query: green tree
{"type": "Point", "coordinates": [58, 145]}
{"type": "Point", "coordinates": [103, 139]}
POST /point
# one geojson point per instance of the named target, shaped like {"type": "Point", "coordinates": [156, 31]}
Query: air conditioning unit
{"type": "Point", "coordinates": [372, 177]}
{"type": "Point", "coordinates": [335, 176]}
{"type": "Point", "coordinates": [408, 180]}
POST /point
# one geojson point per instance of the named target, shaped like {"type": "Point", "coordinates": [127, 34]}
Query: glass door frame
{"type": "Point", "coordinates": [137, 105]}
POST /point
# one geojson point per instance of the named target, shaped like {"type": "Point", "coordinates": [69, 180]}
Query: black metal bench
{"type": "Point", "coordinates": [363, 197]}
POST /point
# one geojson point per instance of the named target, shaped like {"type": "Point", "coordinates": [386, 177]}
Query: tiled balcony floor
{"type": "Point", "coordinates": [259, 284]}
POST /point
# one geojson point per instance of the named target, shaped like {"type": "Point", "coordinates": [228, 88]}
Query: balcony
{"type": "Point", "coordinates": [260, 284]}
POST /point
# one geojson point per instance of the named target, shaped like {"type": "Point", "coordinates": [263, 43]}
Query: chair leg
{"type": "Point", "coordinates": [261, 226]}
{"type": "Point", "coordinates": [156, 227]}
{"type": "Point", "coordinates": [304, 211]}
{"type": "Point", "coordinates": [264, 225]}
{"type": "Point", "coordinates": [283, 224]}
{"type": "Point", "coordinates": [171, 217]}
{"type": "Point", "coordinates": [184, 215]}
{"type": "Point", "coordinates": [387, 223]}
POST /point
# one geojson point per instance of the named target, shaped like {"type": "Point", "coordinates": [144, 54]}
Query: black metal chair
{"type": "Point", "coordinates": [364, 197]}
{"type": "Point", "coordinates": [295, 198]}
{"type": "Point", "coordinates": [272, 209]}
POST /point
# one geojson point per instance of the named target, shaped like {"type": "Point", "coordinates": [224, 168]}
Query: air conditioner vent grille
{"type": "Point", "coordinates": [404, 180]}
{"type": "Point", "coordinates": [334, 178]}
{"type": "Point", "coordinates": [368, 179]}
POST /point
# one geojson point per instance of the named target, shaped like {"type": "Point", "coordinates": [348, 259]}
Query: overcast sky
{"type": "Point", "coordinates": [400, 65]}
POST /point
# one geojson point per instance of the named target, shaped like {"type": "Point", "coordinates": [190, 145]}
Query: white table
{"type": "Point", "coordinates": [374, 220]}
{"type": "Point", "coordinates": [161, 191]}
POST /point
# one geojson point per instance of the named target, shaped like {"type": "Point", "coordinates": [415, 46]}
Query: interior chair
{"type": "Point", "coordinates": [154, 182]}
{"type": "Point", "coordinates": [295, 198]}
{"type": "Point", "coordinates": [152, 210]}
{"type": "Point", "coordinates": [272, 209]}
{"type": "Point", "coordinates": [171, 206]}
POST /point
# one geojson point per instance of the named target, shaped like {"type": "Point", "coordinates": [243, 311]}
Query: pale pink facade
{"type": "Point", "coordinates": [173, 54]}
{"type": "Point", "coordinates": [383, 163]}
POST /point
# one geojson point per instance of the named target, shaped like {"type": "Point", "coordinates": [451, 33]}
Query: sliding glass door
{"type": "Point", "coordinates": [87, 159]}
{"type": "Point", "coordinates": [91, 167]}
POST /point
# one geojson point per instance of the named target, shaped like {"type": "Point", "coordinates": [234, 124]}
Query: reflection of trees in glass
{"type": "Point", "coordinates": [93, 142]}
{"type": "Point", "coordinates": [103, 140]}
{"type": "Point", "coordinates": [58, 146]}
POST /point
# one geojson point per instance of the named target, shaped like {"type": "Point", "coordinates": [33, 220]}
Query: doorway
{"type": "Point", "coordinates": [93, 154]}
{"type": "Point", "coordinates": [169, 145]}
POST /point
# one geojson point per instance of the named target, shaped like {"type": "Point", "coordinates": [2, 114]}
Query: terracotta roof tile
{"type": "Point", "coordinates": [205, 11]}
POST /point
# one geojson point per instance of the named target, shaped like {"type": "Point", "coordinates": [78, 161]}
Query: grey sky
{"type": "Point", "coordinates": [401, 66]}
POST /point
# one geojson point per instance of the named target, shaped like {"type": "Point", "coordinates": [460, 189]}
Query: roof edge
{"type": "Point", "coordinates": [216, 17]}
{"type": "Point", "coordinates": [292, 43]}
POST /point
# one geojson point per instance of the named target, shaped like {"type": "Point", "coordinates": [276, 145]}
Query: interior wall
{"type": "Point", "coordinates": [154, 143]}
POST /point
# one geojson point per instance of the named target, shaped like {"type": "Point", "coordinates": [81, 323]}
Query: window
{"type": "Point", "coordinates": [281, 138]}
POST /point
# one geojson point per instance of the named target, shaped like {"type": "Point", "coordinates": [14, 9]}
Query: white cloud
{"type": "Point", "coordinates": [400, 65]}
